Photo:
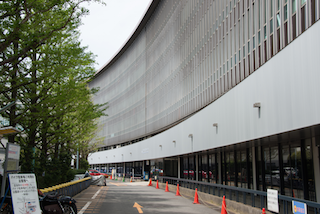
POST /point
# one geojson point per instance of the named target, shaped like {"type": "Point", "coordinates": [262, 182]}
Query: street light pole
{"type": "Point", "coordinates": [78, 158]}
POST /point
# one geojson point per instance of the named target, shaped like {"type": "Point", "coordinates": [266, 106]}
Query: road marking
{"type": "Point", "coordinates": [95, 195]}
{"type": "Point", "coordinates": [118, 184]}
{"type": "Point", "coordinates": [85, 207]}
{"type": "Point", "coordinates": [88, 203]}
{"type": "Point", "coordinates": [138, 206]}
{"type": "Point", "coordinates": [137, 184]}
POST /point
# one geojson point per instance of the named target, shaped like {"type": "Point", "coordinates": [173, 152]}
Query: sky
{"type": "Point", "coordinates": [107, 27]}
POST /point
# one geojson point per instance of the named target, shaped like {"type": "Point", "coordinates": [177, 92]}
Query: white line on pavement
{"type": "Point", "coordinates": [85, 207]}
{"type": "Point", "coordinates": [88, 203]}
{"type": "Point", "coordinates": [95, 195]}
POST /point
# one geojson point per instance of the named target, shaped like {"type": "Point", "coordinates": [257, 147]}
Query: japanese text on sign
{"type": "Point", "coordinates": [272, 200]}
{"type": "Point", "coordinates": [24, 194]}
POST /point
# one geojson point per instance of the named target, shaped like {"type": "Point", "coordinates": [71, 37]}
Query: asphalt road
{"type": "Point", "coordinates": [136, 197]}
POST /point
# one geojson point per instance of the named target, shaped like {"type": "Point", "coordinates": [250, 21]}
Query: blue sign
{"type": "Point", "coordinates": [299, 207]}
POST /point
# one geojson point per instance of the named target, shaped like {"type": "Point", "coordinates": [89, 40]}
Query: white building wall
{"type": "Point", "coordinates": [287, 86]}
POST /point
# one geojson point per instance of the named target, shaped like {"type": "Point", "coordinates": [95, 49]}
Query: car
{"type": "Point", "coordinates": [94, 172]}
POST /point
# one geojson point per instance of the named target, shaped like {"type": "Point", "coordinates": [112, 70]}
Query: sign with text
{"type": "Point", "coordinates": [24, 194]}
{"type": "Point", "coordinates": [272, 200]}
{"type": "Point", "coordinates": [14, 151]}
{"type": "Point", "coordinates": [13, 156]}
{"type": "Point", "coordinates": [299, 207]}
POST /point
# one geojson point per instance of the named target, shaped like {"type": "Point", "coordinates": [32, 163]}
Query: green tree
{"type": "Point", "coordinates": [29, 24]}
{"type": "Point", "coordinates": [84, 164]}
{"type": "Point", "coordinates": [44, 67]}
{"type": "Point", "coordinates": [66, 114]}
{"type": "Point", "coordinates": [25, 27]}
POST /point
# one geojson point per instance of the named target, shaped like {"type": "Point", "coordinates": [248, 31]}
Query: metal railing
{"type": "Point", "coordinates": [250, 197]}
{"type": "Point", "coordinates": [71, 188]}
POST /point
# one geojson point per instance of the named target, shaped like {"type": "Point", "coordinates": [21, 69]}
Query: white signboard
{"type": "Point", "coordinates": [24, 194]}
{"type": "Point", "coordinates": [272, 200]}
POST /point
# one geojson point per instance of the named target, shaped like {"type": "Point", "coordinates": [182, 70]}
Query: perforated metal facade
{"type": "Point", "coordinates": [187, 55]}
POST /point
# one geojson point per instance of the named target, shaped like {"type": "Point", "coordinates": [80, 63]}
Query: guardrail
{"type": "Point", "coordinates": [70, 188]}
{"type": "Point", "coordinates": [250, 197]}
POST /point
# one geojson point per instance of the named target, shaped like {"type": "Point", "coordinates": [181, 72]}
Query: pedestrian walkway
{"type": "Point", "coordinates": [91, 199]}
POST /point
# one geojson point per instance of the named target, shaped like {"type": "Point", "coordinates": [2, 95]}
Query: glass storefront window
{"type": "Point", "coordinates": [296, 171]}
{"type": "Point", "coordinates": [170, 167]}
{"type": "Point", "coordinates": [213, 169]}
{"type": "Point", "coordinates": [184, 167]}
{"type": "Point", "coordinates": [310, 173]}
{"type": "Point", "coordinates": [192, 168]}
{"type": "Point", "coordinates": [156, 168]}
{"type": "Point", "coordinates": [297, 161]}
{"type": "Point", "coordinates": [244, 168]}
{"type": "Point", "coordinates": [287, 171]}
{"type": "Point", "coordinates": [272, 171]}
{"type": "Point", "coordinates": [229, 169]}
{"type": "Point", "coordinates": [250, 171]}
{"type": "Point", "coordinates": [203, 167]}
{"type": "Point", "coordinates": [138, 168]}
{"type": "Point", "coordinates": [292, 170]}
{"type": "Point", "coordinates": [259, 167]}
{"type": "Point", "coordinates": [275, 168]}
{"type": "Point", "coordinates": [128, 169]}
{"type": "Point", "coordinates": [111, 166]}
{"type": "Point", "coordinates": [241, 169]}
{"type": "Point", "coordinates": [119, 168]}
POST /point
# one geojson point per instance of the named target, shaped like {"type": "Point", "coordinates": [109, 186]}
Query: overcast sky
{"type": "Point", "coordinates": [107, 28]}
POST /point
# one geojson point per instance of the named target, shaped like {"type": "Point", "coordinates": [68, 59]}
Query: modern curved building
{"type": "Point", "coordinates": [219, 91]}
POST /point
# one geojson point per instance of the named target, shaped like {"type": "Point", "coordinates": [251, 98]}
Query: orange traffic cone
{"type": "Point", "coordinates": [178, 192]}
{"type": "Point", "coordinates": [263, 211]}
{"type": "Point", "coordinates": [196, 200]}
{"type": "Point", "coordinates": [167, 188]}
{"type": "Point", "coordinates": [157, 186]}
{"type": "Point", "coordinates": [150, 184]}
{"type": "Point", "coordinates": [111, 177]}
{"type": "Point", "coordinates": [224, 207]}
{"type": "Point", "coordinates": [131, 180]}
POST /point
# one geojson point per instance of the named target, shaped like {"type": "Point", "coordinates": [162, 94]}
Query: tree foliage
{"type": "Point", "coordinates": [44, 67]}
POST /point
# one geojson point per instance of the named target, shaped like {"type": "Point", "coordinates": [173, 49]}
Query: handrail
{"type": "Point", "coordinates": [242, 193]}
{"type": "Point", "coordinates": [70, 188]}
